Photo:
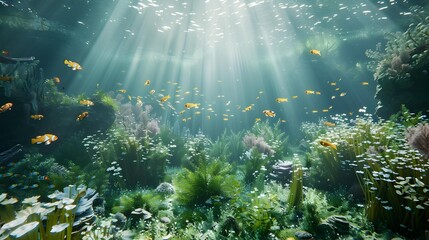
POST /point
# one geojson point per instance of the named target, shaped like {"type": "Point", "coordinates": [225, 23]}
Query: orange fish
{"type": "Point", "coordinates": [74, 65]}
{"type": "Point", "coordinates": [5, 107]}
{"type": "Point", "coordinates": [165, 98]}
{"type": "Point", "coordinates": [192, 105]}
{"type": "Point", "coordinates": [269, 113]}
{"type": "Point", "coordinates": [315, 52]}
{"type": "Point", "coordinates": [46, 139]}
{"type": "Point", "coordinates": [280, 100]}
{"type": "Point", "coordinates": [328, 144]}
{"type": "Point", "coordinates": [86, 102]}
{"type": "Point", "coordinates": [37, 117]}
{"type": "Point", "coordinates": [82, 116]}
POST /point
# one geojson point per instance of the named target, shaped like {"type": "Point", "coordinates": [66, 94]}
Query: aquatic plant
{"type": "Point", "coordinates": [175, 144]}
{"type": "Point", "coordinates": [255, 167]}
{"type": "Point", "coordinates": [296, 195]}
{"type": "Point", "coordinates": [207, 180]}
{"type": "Point", "coordinates": [401, 69]}
{"type": "Point", "coordinates": [105, 98]}
{"type": "Point", "coordinates": [260, 213]}
{"type": "Point", "coordinates": [389, 171]}
{"type": "Point", "coordinates": [269, 138]}
{"type": "Point", "coordinates": [418, 138]}
{"type": "Point", "coordinates": [54, 97]}
{"type": "Point", "coordinates": [129, 161]}
{"type": "Point", "coordinates": [31, 175]}
{"type": "Point", "coordinates": [128, 202]}
{"type": "Point", "coordinates": [395, 186]}
{"type": "Point", "coordinates": [67, 215]}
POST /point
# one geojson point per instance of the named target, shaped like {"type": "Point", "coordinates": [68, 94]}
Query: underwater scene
{"type": "Point", "coordinates": [214, 119]}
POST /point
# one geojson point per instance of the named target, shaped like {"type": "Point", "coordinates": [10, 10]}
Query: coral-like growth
{"type": "Point", "coordinates": [418, 138]}
{"type": "Point", "coordinates": [165, 189]}
{"type": "Point", "coordinates": [401, 70]}
{"type": "Point", "coordinates": [251, 141]}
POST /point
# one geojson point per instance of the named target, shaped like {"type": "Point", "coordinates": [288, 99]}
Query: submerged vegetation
{"type": "Point", "coordinates": [353, 176]}
{"type": "Point", "coordinates": [216, 196]}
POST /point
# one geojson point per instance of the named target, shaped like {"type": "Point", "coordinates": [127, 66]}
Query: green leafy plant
{"type": "Point", "coordinates": [295, 195]}
{"type": "Point", "coordinates": [205, 182]}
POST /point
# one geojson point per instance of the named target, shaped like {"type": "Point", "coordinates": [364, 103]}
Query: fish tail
{"type": "Point", "coordinates": [66, 61]}
{"type": "Point", "coordinates": [33, 140]}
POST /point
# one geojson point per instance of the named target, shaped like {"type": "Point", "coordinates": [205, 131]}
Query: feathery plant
{"type": "Point", "coordinates": [206, 181]}
{"type": "Point", "coordinates": [273, 135]}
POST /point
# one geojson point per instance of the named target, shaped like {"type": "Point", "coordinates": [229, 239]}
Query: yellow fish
{"type": "Point", "coordinates": [269, 113]}
{"type": "Point", "coordinates": [364, 83]}
{"type": "Point", "coordinates": [182, 112]}
{"type": "Point", "coordinates": [315, 52]}
{"type": "Point", "coordinates": [328, 144]}
{"type": "Point", "coordinates": [333, 83]}
{"type": "Point", "coordinates": [197, 113]}
{"type": "Point", "coordinates": [248, 108]}
{"type": "Point", "coordinates": [81, 116]}
{"type": "Point", "coordinates": [325, 110]}
{"type": "Point", "coordinates": [5, 107]}
{"type": "Point", "coordinates": [147, 82]}
{"type": "Point", "coordinates": [283, 121]}
{"type": "Point", "coordinates": [192, 105]}
{"type": "Point", "coordinates": [46, 139]}
{"type": "Point", "coordinates": [343, 94]}
{"type": "Point", "coordinates": [225, 119]}
{"type": "Point", "coordinates": [73, 65]}
{"type": "Point", "coordinates": [314, 111]}
{"type": "Point", "coordinates": [318, 93]}
{"type": "Point", "coordinates": [257, 119]}
{"type": "Point", "coordinates": [329, 124]}
{"type": "Point", "coordinates": [86, 102]}
{"type": "Point", "coordinates": [152, 91]}
{"type": "Point", "coordinates": [139, 102]}
{"type": "Point", "coordinates": [165, 98]}
{"type": "Point", "coordinates": [56, 80]}
{"type": "Point", "coordinates": [294, 97]}
{"type": "Point", "coordinates": [308, 92]}
{"type": "Point", "coordinates": [37, 117]}
{"type": "Point", "coordinates": [122, 90]}
{"type": "Point", "coordinates": [280, 100]}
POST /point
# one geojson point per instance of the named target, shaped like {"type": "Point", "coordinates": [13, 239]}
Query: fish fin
{"type": "Point", "coordinates": [74, 69]}
{"type": "Point", "coordinates": [47, 142]}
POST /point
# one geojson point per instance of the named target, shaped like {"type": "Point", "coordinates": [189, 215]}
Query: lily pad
{"type": "Point", "coordinates": [14, 223]}
{"type": "Point", "coordinates": [24, 229]}
{"type": "Point", "coordinates": [3, 196]}
{"type": "Point", "coordinates": [9, 201]}
{"type": "Point", "coordinates": [59, 227]}
{"type": "Point", "coordinates": [31, 200]}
